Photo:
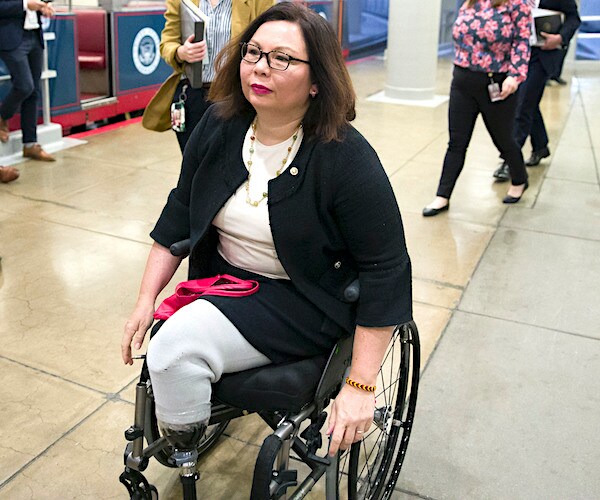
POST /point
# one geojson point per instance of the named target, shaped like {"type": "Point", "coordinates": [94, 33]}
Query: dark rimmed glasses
{"type": "Point", "coordinates": [276, 59]}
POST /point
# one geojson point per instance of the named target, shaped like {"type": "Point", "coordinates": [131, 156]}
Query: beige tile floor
{"type": "Point", "coordinates": [73, 241]}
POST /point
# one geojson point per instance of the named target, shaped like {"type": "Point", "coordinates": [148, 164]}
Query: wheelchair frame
{"type": "Point", "coordinates": [370, 468]}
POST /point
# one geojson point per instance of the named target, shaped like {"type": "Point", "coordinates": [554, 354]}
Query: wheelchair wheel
{"type": "Point", "coordinates": [153, 492]}
{"type": "Point", "coordinates": [371, 468]}
{"type": "Point", "coordinates": [152, 433]}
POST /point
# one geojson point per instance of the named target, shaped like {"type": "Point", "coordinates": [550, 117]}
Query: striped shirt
{"type": "Point", "coordinates": [218, 33]}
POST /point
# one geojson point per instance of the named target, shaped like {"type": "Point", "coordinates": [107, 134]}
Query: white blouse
{"type": "Point", "coordinates": [245, 238]}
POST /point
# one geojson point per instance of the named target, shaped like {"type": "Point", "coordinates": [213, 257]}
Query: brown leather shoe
{"type": "Point", "coordinates": [36, 152]}
{"type": "Point", "coordinates": [4, 132]}
{"type": "Point", "coordinates": [8, 174]}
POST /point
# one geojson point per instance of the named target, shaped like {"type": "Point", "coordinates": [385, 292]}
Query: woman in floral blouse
{"type": "Point", "coordinates": [491, 56]}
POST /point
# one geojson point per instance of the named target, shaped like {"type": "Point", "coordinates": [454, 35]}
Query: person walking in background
{"type": "Point", "coordinates": [8, 174]}
{"type": "Point", "coordinates": [557, 77]}
{"type": "Point", "coordinates": [545, 62]}
{"type": "Point", "coordinates": [491, 42]}
{"type": "Point", "coordinates": [228, 18]}
{"type": "Point", "coordinates": [22, 50]}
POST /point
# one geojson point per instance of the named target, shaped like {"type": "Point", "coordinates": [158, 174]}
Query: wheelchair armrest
{"type": "Point", "coordinates": [352, 291]}
{"type": "Point", "coordinates": [180, 248]}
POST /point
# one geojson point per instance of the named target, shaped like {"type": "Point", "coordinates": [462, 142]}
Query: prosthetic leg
{"type": "Point", "coordinates": [184, 439]}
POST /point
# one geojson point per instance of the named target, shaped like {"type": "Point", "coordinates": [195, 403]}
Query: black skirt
{"type": "Point", "coordinates": [277, 320]}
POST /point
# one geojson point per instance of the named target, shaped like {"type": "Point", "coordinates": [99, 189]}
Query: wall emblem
{"type": "Point", "coordinates": [145, 52]}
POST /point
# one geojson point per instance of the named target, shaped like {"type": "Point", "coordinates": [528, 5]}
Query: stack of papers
{"type": "Point", "coordinates": [193, 22]}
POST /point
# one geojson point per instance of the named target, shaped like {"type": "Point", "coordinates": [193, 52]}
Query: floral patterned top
{"type": "Point", "coordinates": [493, 39]}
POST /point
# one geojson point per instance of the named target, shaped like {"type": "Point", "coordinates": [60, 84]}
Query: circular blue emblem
{"type": "Point", "coordinates": [145, 51]}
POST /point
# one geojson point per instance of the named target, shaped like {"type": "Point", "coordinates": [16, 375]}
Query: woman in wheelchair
{"type": "Point", "coordinates": [276, 186]}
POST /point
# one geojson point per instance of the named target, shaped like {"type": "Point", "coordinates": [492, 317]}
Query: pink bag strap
{"type": "Point", "coordinates": [221, 284]}
{"type": "Point", "coordinates": [186, 292]}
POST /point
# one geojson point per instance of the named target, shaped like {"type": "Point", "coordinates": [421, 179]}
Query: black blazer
{"type": "Point", "coordinates": [552, 59]}
{"type": "Point", "coordinates": [12, 17]}
{"type": "Point", "coordinates": [333, 217]}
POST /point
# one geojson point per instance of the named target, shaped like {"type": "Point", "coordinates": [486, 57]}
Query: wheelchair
{"type": "Point", "coordinates": [291, 398]}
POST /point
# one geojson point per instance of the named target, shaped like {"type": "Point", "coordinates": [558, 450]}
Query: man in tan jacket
{"type": "Point", "coordinates": [228, 18]}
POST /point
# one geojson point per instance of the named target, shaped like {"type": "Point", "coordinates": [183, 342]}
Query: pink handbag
{"type": "Point", "coordinates": [188, 291]}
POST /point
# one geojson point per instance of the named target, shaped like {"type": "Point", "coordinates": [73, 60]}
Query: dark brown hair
{"type": "Point", "coordinates": [495, 3]}
{"type": "Point", "coordinates": [332, 108]}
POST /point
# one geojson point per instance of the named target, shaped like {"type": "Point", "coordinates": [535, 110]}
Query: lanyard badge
{"type": "Point", "coordinates": [494, 89]}
{"type": "Point", "coordinates": [178, 112]}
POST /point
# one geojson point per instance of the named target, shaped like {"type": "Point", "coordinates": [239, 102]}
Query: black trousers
{"type": "Point", "coordinates": [25, 67]}
{"type": "Point", "coordinates": [529, 120]}
{"type": "Point", "coordinates": [468, 98]}
{"type": "Point", "coordinates": [196, 105]}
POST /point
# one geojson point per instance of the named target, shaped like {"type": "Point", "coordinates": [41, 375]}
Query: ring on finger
{"type": "Point", "coordinates": [359, 432]}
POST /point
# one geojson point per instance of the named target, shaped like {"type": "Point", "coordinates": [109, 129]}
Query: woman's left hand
{"type": "Point", "coordinates": [350, 419]}
{"type": "Point", "coordinates": [191, 51]}
{"type": "Point", "coordinates": [509, 86]}
{"type": "Point", "coordinates": [551, 42]}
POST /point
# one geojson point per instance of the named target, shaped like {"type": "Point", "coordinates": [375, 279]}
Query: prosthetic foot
{"type": "Point", "coordinates": [185, 438]}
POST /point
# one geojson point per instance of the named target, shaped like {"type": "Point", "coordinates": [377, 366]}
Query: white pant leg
{"type": "Point", "coordinates": [192, 349]}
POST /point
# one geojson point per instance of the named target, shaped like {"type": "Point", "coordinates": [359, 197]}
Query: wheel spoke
{"type": "Point", "coordinates": [373, 466]}
{"type": "Point", "coordinates": [372, 461]}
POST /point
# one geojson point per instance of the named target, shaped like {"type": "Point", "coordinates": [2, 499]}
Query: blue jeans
{"type": "Point", "coordinates": [25, 66]}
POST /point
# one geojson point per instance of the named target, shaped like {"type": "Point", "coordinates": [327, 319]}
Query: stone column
{"type": "Point", "coordinates": [413, 33]}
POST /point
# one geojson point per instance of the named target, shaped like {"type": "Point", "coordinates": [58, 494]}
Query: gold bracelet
{"type": "Point", "coordinates": [363, 387]}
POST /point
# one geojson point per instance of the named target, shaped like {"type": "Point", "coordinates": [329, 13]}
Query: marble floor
{"type": "Point", "coordinates": [504, 300]}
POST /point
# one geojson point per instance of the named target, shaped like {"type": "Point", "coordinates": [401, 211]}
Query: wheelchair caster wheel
{"type": "Point", "coordinates": [138, 486]}
{"type": "Point", "coordinates": [152, 494]}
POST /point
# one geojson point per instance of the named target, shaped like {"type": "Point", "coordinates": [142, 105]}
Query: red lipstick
{"type": "Point", "coordinates": [260, 89]}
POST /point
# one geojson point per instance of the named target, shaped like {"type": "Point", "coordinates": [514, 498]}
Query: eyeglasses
{"type": "Point", "coordinates": [275, 58]}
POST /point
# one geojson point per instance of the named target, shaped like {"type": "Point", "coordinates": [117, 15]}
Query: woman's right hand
{"type": "Point", "coordinates": [136, 327]}
{"type": "Point", "coordinates": [160, 268]}
{"type": "Point", "coordinates": [509, 86]}
{"type": "Point", "coordinates": [191, 51]}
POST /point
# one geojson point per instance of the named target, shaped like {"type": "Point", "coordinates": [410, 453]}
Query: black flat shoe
{"type": "Point", "coordinates": [514, 199]}
{"type": "Point", "coordinates": [537, 156]}
{"type": "Point", "coordinates": [430, 212]}
{"type": "Point", "coordinates": [502, 174]}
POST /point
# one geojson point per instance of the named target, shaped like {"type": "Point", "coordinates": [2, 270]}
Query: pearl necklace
{"type": "Point", "coordinates": [277, 173]}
